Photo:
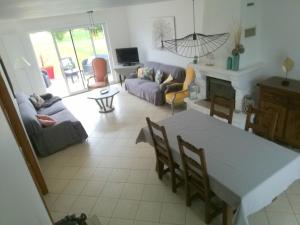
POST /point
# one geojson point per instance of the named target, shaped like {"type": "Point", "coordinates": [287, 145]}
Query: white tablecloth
{"type": "Point", "coordinates": [246, 171]}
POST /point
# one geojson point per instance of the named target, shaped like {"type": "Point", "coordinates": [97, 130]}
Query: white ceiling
{"type": "Point", "coordinates": [28, 9]}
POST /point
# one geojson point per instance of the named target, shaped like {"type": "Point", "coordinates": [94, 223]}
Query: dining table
{"type": "Point", "coordinates": [246, 171]}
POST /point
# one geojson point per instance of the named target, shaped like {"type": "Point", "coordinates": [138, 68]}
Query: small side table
{"type": "Point", "coordinates": [104, 101]}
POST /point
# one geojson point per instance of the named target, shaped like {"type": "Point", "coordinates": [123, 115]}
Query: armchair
{"type": "Point", "coordinates": [176, 93]}
{"type": "Point", "coordinates": [100, 76]}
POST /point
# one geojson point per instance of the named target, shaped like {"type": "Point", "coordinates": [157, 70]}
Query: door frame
{"type": "Point", "coordinates": [12, 116]}
{"type": "Point", "coordinates": [68, 29]}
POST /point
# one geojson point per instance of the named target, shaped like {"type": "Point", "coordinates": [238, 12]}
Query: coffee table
{"type": "Point", "coordinates": [105, 100]}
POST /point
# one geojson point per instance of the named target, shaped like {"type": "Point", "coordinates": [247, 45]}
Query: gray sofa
{"type": "Point", "coordinates": [48, 140]}
{"type": "Point", "coordinates": [149, 90]}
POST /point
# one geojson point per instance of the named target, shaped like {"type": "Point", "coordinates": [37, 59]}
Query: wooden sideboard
{"type": "Point", "coordinates": [286, 101]}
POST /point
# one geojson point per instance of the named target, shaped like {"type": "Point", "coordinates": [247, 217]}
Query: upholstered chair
{"type": "Point", "coordinates": [100, 74]}
{"type": "Point", "coordinates": [177, 92]}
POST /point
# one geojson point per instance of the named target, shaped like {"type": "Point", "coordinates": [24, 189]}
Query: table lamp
{"type": "Point", "coordinates": [287, 66]}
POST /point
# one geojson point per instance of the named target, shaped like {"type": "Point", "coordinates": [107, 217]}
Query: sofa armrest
{"type": "Point", "coordinates": [46, 96]}
{"type": "Point", "coordinates": [61, 135]}
{"type": "Point", "coordinates": [65, 127]}
{"type": "Point", "coordinates": [174, 87]}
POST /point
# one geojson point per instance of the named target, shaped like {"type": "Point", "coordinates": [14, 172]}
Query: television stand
{"type": "Point", "coordinates": [125, 71]}
{"type": "Point", "coordinates": [129, 64]}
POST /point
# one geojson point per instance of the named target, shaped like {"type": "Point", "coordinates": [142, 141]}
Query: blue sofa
{"type": "Point", "coordinates": [150, 90]}
{"type": "Point", "coordinates": [48, 140]}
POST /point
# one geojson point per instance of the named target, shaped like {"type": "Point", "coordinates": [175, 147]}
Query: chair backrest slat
{"type": "Point", "coordinates": [261, 122]}
{"type": "Point", "coordinates": [160, 142]}
{"type": "Point", "coordinates": [227, 104]}
{"type": "Point", "coordinates": [195, 172]}
{"type": "Point", "coordinates": [192, 163]}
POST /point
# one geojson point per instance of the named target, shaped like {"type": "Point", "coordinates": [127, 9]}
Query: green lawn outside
{"type": "Point", "coordinates": [83, 44]}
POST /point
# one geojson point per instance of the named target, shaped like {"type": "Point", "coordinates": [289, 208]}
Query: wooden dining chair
{"type": "Point", "coordinates": [163, 154]}
{"type": "Point", "coordinates": [224, 103]}
{"type": "Point", "coordinates": [261, 122]}
{"type": "Point", "coordinates": [196, 179]}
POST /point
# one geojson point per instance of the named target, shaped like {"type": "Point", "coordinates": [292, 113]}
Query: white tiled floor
{"type": "Point", "coordinates": [112, 177]}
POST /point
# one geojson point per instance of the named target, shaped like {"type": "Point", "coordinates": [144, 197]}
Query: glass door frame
{"type": "Point", "coordinates": [69, 30]}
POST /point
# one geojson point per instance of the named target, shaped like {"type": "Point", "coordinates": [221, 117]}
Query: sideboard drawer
{"type": "Point", "coordinates": [294, 103]}
{"type": "Point", "coordinates": [270, 96]}
{"type": "Point", "coordinates": [286, 101]}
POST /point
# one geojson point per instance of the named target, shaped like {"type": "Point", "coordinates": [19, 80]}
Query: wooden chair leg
{"type": "Point", "coordinates": [172, 107]}
{"type": "Point", "coordinates": [207, 212]}
{"type": "Point", "coordinates": [227, 215]}
{"type": "Point", "coordinates": [173, 177]}
{"type": "Point", "coordinates": [188, 195]}
{"type": "Point", "coordinates": [160, 168]}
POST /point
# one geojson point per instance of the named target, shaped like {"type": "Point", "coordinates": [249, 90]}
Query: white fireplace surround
{"type": "Point", "coordinates": [243, 81]}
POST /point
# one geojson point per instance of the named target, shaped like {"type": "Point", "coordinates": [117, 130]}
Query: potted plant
{"type": "Point", "coordinates": [238, 49]}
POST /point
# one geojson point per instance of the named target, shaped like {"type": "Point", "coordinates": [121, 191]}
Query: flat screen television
{"type": "Point", "coordinates": [127, 56]}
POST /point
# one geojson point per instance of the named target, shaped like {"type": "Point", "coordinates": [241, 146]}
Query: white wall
{"type": "Point", "coordinates": [14, 36]}
{"type": "Point", "coordinates": [221, 17]}
{"type": "Point", "coordinates": [20, 201]}
{"type": "Point", "coordinates": [12, 48]}
{"type": "Point", "coordinates": [281, 35]}
{"type": "Point", "coordinates": [212, 16]}
{"type": "Point", "coordinates": [252, 17]}
{"type": "Point", "coordinates": [140, 24]}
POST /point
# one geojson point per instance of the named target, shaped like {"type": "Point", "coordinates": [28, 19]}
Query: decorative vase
{"type": "Point", "coordinates": [236, 62]}
{"type": "Point", "coordinates": [247, 102]}
{"type": "Point", "coordinates": [193, 91]}
{"type": "Point", "coordinates": [195, 60]}
{"type": "Point", "coordinates": [229, 63]}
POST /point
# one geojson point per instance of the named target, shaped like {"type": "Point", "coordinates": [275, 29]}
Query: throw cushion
{"type": "Point", "coordinates": [159, 77]}
{"type": "Point", "coordinates": [36, 101]}
{"type": "Point", "coordinates": [145, 73]}
{"type": "Point", "coordinates": [140, 72]}
{"type": "Point", "coordinates": [45, 120]}
{"type": "Point", "coordinates": [166, 82]}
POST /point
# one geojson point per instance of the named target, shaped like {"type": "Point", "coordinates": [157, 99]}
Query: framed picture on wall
{"type": "Point", "coordinates": [4, 71]}
{"type": "Point", "coordinates": [163, 28]}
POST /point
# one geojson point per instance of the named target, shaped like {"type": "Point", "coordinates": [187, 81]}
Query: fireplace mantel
{"type": "Point", "coordinates": [243, 81]}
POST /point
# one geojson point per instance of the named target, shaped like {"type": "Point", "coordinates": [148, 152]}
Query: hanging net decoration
{"type": "Point", "coordinates": [196, 44]}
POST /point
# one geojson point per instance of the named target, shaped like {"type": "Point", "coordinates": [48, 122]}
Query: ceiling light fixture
{"type": "Point", "coordinates": [92, 25]}
{"type": "Point", "coordinates": [195, 44]}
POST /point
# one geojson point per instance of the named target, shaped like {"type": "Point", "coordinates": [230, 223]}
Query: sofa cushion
{"type": "Point", "coordinates": [45, 120]}
{"type": "Point", "coordinates": [36, 101]}
{"type": "Point", "coordinates": [53, 109]}
{"type": "Point", "coordinates": [145, 89]}
{"type": "Point", "coordinates": [159, 77]}
{"type": "Point", "coordinates": [29, 119]}
{"type": "Point", "coordinates": [24, 99]}
{"type": "Point", "coordinates": [146, 73]}
{"type": "Point", "coordinates": [64, 115]}
{"type": "Point", "coordinates": [178, 73]}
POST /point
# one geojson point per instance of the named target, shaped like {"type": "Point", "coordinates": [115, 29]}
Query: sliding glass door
{"type": "Point", "coordinates": [75, 49]}
{"type": "Point", "coordinates": [69, 61]}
